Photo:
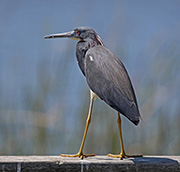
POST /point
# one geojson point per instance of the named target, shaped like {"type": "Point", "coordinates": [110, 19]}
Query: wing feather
{"type": "Point", "coordinates": [108, 78]}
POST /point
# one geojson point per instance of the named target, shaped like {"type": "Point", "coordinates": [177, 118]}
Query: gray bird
{"type": "Point", "coordinates": [107, 79]}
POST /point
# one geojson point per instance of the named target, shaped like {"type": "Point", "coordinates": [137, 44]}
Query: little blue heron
{"type": "Point", "coordinates": [107, 79]}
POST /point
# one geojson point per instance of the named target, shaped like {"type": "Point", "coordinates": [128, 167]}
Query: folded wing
{"type": "Point", "coordinates": [108, 78]}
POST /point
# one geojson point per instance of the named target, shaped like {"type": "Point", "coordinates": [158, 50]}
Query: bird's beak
{"type": "Point", "coordinates": [72, 35]}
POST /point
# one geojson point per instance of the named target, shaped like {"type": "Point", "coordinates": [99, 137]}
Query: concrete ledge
{"type": "Point", "coordinates": [91, 164]}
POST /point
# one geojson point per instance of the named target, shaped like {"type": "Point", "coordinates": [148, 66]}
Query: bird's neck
{"type": "Point", "coordinates": [81, 49]}
{"type": "Point", "coordinates": [93, 42]}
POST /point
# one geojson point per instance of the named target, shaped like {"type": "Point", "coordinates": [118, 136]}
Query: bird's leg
{"type": "Point", "coordinates": [122, 154]}
{"type": "Point", "coordinates": [80, 153]}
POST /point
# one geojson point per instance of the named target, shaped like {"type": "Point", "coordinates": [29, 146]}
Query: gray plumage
{"type": "Point", "coordinates": [108, 78]}
{"type": "Point", "coordinates": [104, 72]}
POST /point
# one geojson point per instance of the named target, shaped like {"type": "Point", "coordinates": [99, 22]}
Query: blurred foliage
{"type": "Point", "coordinates": [44, 98]}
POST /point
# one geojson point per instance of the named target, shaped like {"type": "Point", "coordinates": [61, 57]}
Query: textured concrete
{"type": "Point", "coordinates": [91, 164]}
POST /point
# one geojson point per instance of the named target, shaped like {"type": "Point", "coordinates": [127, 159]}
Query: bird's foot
{"type": "Point", "coordinates": [79, 154]}
{"type": "Point", "coordinates": [123, 155]}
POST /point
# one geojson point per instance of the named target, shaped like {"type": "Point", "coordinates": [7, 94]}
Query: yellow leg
{"type": "Point", "coordinates": [122, 154]}
{"type": "Point", "coordinates": [80, 153]}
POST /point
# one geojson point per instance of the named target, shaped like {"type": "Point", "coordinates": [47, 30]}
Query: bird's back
{"type": "Point", "coordinates": [108, 78]}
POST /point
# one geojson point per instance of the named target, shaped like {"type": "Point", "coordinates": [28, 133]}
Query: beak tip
{"type": "Point", "coordinates": [46, 37]}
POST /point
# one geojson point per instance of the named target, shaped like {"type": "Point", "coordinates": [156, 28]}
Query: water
{"type": "Point", "coordinates": [44, 97]}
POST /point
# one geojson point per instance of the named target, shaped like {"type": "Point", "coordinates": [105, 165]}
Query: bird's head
{"type": "Point", "coordinates": [80, 34]}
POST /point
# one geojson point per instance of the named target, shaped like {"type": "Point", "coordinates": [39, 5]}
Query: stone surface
{"type": "Point", "coordinates": [91, 164]}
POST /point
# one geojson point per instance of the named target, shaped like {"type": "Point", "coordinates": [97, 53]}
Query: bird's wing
{"type": "Point", "coordinates": [108, 78]}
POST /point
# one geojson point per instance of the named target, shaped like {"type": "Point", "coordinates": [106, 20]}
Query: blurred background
{"type": "Point", "coordinates": [44, 97]}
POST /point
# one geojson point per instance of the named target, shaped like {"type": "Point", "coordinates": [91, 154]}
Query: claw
{"type": "Point", "coordinates": [123, 155]}
{"type": "Point", "coordinates": [80, 155]}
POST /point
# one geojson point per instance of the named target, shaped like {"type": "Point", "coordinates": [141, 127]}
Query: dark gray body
{"type": "Point", "coordinates": [108, 78]}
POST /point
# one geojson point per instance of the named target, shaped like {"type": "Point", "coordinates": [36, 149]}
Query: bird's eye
{"type": "Point", "coordinates": [78, 32]}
